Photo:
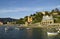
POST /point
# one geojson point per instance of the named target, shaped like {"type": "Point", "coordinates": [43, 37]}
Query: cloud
{"type": "Point", "coordinates": [58, 6]}
{"type": "Point", "coordinates": [27, 9]}
{"type": "Point", "coordinates": [18, 9]}
{"type": "Point", "coordinates": [12, 10]}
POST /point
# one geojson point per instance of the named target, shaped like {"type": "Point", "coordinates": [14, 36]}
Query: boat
{"type": "Point", "coordinates": [27, 28]}
{"type": "Point", "coordinates": [52, 33]}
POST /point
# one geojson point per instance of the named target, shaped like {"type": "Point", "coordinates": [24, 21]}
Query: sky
{"type": "Point", "coordinates": [21, 8]}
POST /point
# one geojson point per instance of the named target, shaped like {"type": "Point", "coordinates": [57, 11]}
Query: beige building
{"type": "Point", "coordinates": [47, 20]}
{"type": "Point", "coordinates": [55, 13]}
{"type": "Point", "coordinates": [1, 23]}
{"type": "Point", "coordinates": [11, 22]}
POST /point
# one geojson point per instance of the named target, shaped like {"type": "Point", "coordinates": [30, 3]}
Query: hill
{"type": "Point", "coordinates": [5, 20]}
{"type": "Point", "coordinates": [37, 17]}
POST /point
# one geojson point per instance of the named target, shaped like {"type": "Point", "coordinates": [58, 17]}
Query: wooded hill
{"type": "Point", "coordinates": [5, 20]}
{"type": "Point", "coordinates": [37, 17]}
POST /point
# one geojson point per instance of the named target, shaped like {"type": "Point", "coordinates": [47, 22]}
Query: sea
{"type": "Point", "coordinates": [14, 32]}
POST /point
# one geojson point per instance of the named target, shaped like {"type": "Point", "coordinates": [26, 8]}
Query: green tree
{"type": "Point", "coordinates": [21, 21]}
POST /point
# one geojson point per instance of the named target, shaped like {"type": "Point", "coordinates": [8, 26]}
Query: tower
{"type": "Point", "coordinates": [29, 20]}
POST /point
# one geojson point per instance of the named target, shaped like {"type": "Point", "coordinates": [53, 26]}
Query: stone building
{"type": "Point", "coordinates": [47, 20]}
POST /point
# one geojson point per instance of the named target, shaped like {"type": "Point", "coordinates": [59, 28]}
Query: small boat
{"type": "Point", "coordinates": [17, 28]}
{"type": "Point", "coordinates": [6, 29]}
{"type": "Point", "coordinates": [28, 28]}
{"type": "Point", "coordinates": [52, 33]}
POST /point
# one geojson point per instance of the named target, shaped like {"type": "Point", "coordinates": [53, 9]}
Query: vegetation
{"type": "Point", "coordinates": [20, 21]}
{"type": "Point", "coordinates": [37, 17]}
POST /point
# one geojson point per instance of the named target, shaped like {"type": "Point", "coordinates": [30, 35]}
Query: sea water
{"type": "Point", "coordinates": [13, 32]}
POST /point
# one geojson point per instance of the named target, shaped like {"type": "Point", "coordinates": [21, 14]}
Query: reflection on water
{"type": "Point", "coordinates": [12, 33]}
{"type": "Point", "coordinates": [23, 33]}
{"type": "Point", "coordinates": [54, 36]}
{"type": "Point", "coordinates": [39, 33]}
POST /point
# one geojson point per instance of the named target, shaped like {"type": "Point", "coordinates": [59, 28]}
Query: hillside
{"type": "Point", "coordinates": [37, 17]}
{"type": "Point", "coordinates": [5, 20]}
